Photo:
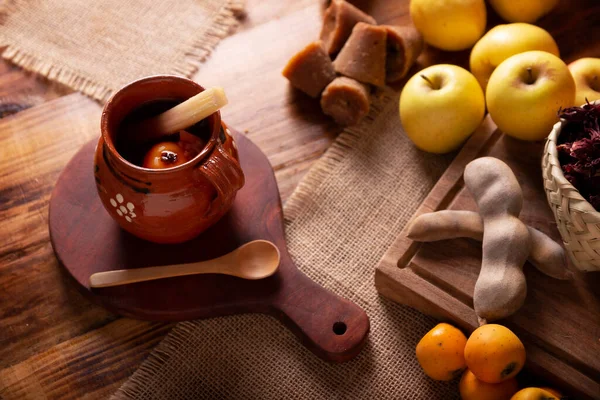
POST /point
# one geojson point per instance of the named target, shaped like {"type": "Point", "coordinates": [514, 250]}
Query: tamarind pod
{"type": "Point", "coordinates": [546, 254]}
{"type": "Point", "coordinates": [501, 288]}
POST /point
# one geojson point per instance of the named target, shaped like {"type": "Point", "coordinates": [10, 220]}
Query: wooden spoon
{"type": "Point", "coordinates": [254, 260]}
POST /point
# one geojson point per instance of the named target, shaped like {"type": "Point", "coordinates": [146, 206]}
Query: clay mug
{"type": "Point", "coordinates": [165, 205]}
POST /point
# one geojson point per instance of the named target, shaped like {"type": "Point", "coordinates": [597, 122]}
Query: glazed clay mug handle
{"type": "Point", "coordinates": [225, 174]}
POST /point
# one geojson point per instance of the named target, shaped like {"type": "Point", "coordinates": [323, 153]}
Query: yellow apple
{"type": "Point", "coordinates": [440, 107]}
{"type": "Point", "coordinates": [503, 41]}
{"type": "Point", "coordinates": [449, 24]}
{"type": "Point", "coordinates": [526, 91]}
{"type": "Point", "coordinates": [533, 393]}
{"type": "Point", "coordinates": [523, 10]}
{"type": "Point", "coordinates": [586, 72]}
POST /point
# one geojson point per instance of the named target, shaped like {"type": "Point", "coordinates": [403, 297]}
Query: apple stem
{"type": "Point", "coordinates": [531, 80]}
{"type": "Point", "coordinates": [429, 81]}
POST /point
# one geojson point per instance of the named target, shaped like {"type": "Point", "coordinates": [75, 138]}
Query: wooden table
{"type": "Point", "coordinates": [54, 343]}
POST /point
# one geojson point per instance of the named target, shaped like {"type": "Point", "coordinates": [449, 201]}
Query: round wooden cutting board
{"type": "Point", "coordinates": [86, 240]}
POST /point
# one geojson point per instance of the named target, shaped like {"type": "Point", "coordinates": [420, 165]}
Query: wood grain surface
{"type": "Point", "coordinates": [54, 343]}
{"type": "Point", "coordinates": [312, 312]}
{"type": "Point", "coordinates": [560, 320]}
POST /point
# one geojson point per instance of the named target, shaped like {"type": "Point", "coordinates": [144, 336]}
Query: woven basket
{"type": "Point", "coordinates": [578, 222]}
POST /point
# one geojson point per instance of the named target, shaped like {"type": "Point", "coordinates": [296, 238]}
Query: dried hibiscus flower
{"type": "Point", "coordinates": [579, 150]}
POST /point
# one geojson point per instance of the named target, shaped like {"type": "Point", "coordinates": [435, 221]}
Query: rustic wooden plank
{"type": "Point", "coordinates": [20, 89]}
{"type": "Point", "coordinates": [43, 138]}
{"type": "Point", "coordinates": [80, 368]}
{"type": "Point", "coordinates": [261, 11]}
{"type": "Point", "coordinates": [574, 302]}
{"type": "Point", "coordinates": [286, 125]}
{"type": "Point", "coordinates": [39, 305]}
{"type": "Point", "coordinates": [438, 278]}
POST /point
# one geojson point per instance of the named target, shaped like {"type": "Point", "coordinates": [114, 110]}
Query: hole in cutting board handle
{"type": "Point", "coordinates": [339, 328]}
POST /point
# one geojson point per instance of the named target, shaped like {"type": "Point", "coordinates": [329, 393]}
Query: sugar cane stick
{"type": "Point", "coordinates": [182, 116]}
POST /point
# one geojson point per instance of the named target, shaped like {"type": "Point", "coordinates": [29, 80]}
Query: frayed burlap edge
{"type": "Point", "coordinates": [222, 24]}
{"type": "Point", "coordinates": [346, 141]}
{"type": "Point", "coordinates": [293, 208]}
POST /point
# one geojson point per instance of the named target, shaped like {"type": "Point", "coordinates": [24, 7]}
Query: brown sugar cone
{"type": "Point", "coordinates": [404, 45]}
{"type": "Point", "coordinates": [338, 22]}
{"type": "Point", "coordinates": [346, 100]}
{"type": "Point", "coordinates": [310, 70]}
{"type": "Point", "coordinates": [363, 55]}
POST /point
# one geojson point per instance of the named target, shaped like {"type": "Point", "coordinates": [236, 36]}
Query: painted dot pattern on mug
{"type": "Point", "coordinates": [123, 209]}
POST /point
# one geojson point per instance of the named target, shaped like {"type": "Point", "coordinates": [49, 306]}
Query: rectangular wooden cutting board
{"type": "Point", "coordinates": [560, 320]}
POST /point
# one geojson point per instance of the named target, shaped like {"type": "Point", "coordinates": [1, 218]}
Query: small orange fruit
{"type": "Point", "coordinates": [164, 155]}
{"type": "Point", "coordinates": [472, 388]}
{"type": "Point", "coordinates": [494, 353]}
{"type": "Point", "coordinates": [441, 352]}
{"type": "Point", "coordinates": [534, 394]}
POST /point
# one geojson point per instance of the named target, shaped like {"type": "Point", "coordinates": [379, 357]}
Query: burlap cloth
{"type": "Point", "coordinates": [97, 46]}
{"type": "Point", "coordinates": [339, 222]}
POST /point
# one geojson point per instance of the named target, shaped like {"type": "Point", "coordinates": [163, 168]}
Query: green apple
{"type": "Point", "coordinates": [586, 72]}
{"type": "Point", "coordinates": [503, 41]}
{"type": "Point", "coordinates": [526, 91]}
{"type": "Point", "coordinates": [440, 107]}
{"type": "Point", "coordinates": [523, 10]}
